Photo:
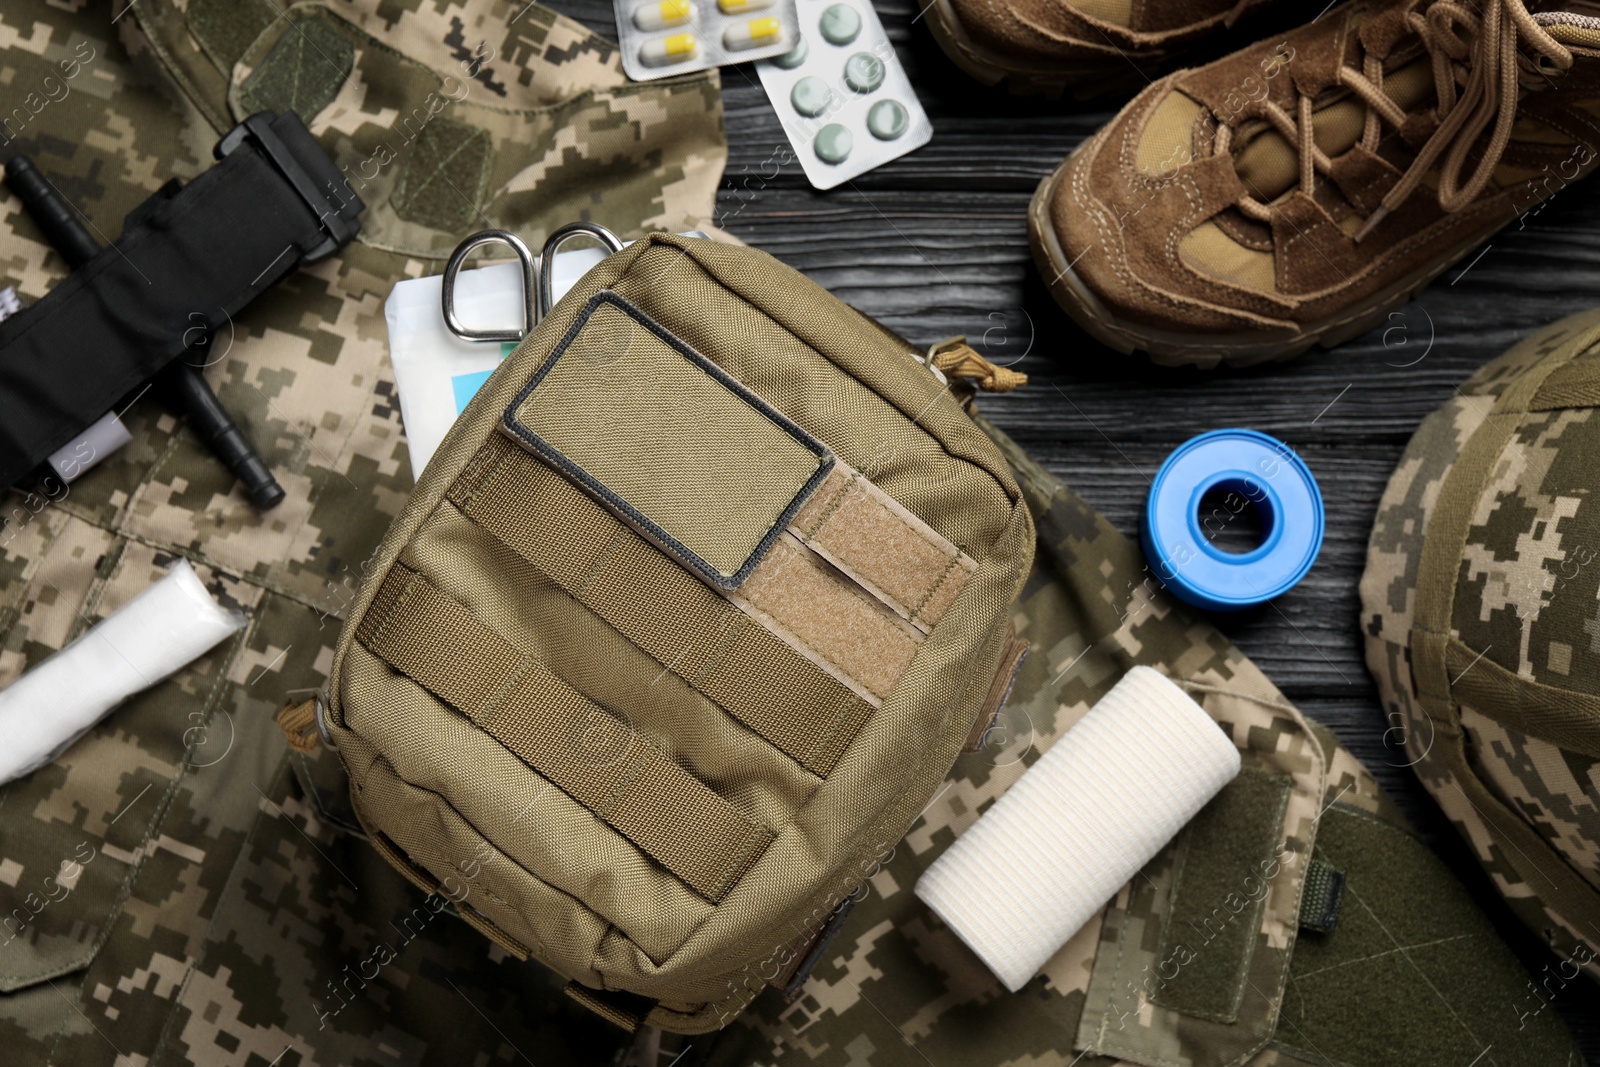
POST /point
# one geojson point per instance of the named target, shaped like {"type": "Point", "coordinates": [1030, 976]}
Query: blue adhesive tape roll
{"type": "Point", "coordinates": [1249, 466]}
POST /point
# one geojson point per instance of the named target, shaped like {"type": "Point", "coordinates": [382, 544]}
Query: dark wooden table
{"type": "Point", "coordinates": [935, 244]}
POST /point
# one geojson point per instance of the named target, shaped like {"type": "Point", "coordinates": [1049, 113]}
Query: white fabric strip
{"type": "Point", "coordinates": [1079, 824]}
{"type": "Point", "coordinates": [156, 633]}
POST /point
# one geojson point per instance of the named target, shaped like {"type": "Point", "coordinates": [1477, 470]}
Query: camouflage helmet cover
{"type": "Point", "coordinates": [1482, 623]}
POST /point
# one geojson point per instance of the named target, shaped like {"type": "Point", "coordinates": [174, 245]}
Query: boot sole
{"type": "Point", "coordinates": [1172, 349]}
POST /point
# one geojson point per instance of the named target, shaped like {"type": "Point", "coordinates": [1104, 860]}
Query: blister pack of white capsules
{"type": "Point", "coordinates": [661, 38]}
{"type": "Point", "coordinates": [844, 100]}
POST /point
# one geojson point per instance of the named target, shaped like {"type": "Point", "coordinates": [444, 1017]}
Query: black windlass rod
{"type": "Point", "coordinates": [207, 417]}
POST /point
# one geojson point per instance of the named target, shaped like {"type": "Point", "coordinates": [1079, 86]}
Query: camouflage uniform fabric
{"type": "Point", "coordinates": [1479, 608]}
{"type": "Point", "coordinates": [179, 888]}
{"type": "Point", "coordinates": [134, 871]}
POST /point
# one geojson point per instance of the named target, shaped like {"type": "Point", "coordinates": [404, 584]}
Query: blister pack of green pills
{"type": "Point", "coordinates": [844, 100]}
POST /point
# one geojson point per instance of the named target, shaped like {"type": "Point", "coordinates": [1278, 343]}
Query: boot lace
{"type": "Point", "coordinates": [1479, 73]}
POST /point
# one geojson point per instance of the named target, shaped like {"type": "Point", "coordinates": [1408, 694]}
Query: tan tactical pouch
{"type": "Point", "coordinates": [681, 628]}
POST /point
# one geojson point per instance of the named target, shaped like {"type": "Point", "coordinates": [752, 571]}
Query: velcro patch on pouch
{"type": "Point", "coordinates": [1218, 894]}
{"type": "Point", "coordinates": [667, 440]}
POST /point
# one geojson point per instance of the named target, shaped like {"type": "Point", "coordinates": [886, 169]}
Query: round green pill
{"type": "Point", "coordinates": [810, 96]}
{"type": "Point", "coordinates": [863, 72]}
{"type": "Point", "coordinates": [794, 56]}
{"type": "Point", "coordinates": [887, 120]}
{"type": "Point", "coordinates": [841, 24]}
{"type": "Point", "coordinates": [833, 143]}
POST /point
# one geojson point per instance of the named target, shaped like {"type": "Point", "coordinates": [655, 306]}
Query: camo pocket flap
{"type": "Point", "coordinates": [1194, 953]}
{"type": "Point", "coordinates": [82, 839]}
{"type": "Point", "coordinates": [667, 441]}
{"type": "Point", "coordinates": [444, 116]}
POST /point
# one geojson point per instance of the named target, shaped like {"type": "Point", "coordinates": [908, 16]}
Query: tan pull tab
{"type": "Point", "coordinates": [957, 360]}
{"type": "Point", "coordinates": [1005, 676]}
{"type": "Point", "coordinates": [299, 724]}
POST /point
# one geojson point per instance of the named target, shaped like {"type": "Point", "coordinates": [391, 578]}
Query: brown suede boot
{"type": "Point", "coordinates": [1090, 46]}
{"type": "Point", "coordinates": [1296, 192]}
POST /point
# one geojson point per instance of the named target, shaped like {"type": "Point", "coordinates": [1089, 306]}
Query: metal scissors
{"type": "Point", "coordinates": [537, 273]}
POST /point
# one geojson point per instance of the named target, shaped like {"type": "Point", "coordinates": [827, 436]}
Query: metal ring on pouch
{"type": "Point", "coordinates": [555, 241]}
{"type": "Point", "coordinates": [322, 726]}
{"type": "Point", "coordinates": [532, 276]}
{"type": "Point", "coordinates": [1259, 469]}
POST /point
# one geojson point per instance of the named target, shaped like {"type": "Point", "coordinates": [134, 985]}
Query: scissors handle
{"type": "Point", "coordinates": [537, 276]}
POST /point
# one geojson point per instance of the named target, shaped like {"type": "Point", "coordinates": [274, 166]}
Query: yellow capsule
{"type": "Point", "coordinates": [734, 7]}
{"type": "Point", "coordinates": [675, 49]}
{"type": "Point", "coordinates": [753, 34]}
{"type": "Point", "coordinates": [661, 14]}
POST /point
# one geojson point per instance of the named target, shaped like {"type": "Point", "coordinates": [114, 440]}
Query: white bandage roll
{"type": "Point", "coordinates": [1079, 824]}
{"type": "Point", "coordinates": [157, 632]}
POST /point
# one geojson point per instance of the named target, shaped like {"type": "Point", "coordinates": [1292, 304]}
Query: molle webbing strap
{"type": "Point", "coordinates": [1561, 888]}
{"type": "Point", "coordinates": [615, 772]}
{"type": "Point", "coordinates": [660, 606]}
{"type": "Point", "coordinates": [1562, 717]}
{"type": "Point", "coordinates": [888, 550]}
{"type": "Point", "coordinates": [1575, 384]}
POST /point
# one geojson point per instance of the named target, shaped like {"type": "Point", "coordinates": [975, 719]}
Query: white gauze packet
{"type": "Point", "coordinates": [155, 634]}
